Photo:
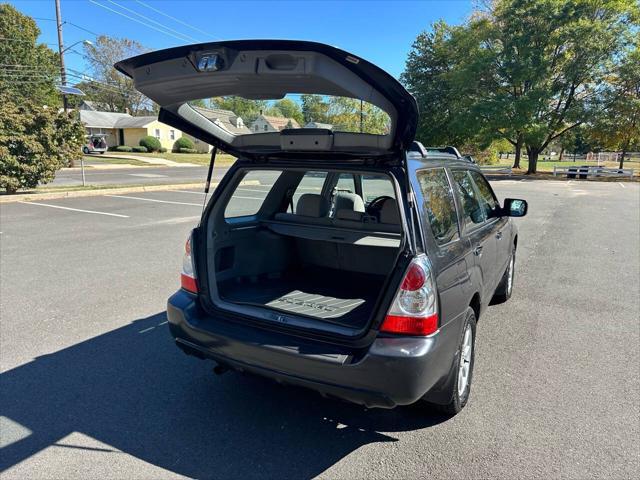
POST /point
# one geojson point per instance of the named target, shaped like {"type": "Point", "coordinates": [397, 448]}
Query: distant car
{"type": "Point", "coordinates": [95, 144]}
{"type": "Point", "coordinates": [360, 270]}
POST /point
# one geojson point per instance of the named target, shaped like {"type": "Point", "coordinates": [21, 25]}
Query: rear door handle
{"type": "Point", "coordinates": [477, 251]}
{"type": "Point", "coordinates": [499, 235]}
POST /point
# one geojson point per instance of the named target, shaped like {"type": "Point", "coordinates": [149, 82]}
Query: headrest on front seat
{"type": "Point", "coordinates": [312, 205]}
{"type": "Point", "coordinates": [348, 201]}
{"type": "Point", "coordinates": [389, 212]}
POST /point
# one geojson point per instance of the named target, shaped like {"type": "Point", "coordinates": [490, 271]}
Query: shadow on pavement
{"type": "Point", "coordinates": [134, 390]}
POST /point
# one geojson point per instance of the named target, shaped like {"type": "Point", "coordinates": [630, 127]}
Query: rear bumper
{"type": "Point", "coordinates": [394, 371]}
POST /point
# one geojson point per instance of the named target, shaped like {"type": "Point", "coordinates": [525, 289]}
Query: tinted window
{"type": "Point", "coordinates": [374, 186]}
{"type": "Point", "coordinates": [346, 183]}
{"type": "Point", "coordinates": [439, 204]}
{"type": "Point", "coordinates": [249, 196]}
{"type": "Point", "coordinates": [487, 197]}
{"type": "Point", "coordinates": [472, 210]}
{"type": "Point", "coordinates": [312, 182]}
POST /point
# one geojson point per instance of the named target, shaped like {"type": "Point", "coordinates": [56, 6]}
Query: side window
{"type": "Point", "coordinates": [439, 204]}
{"type": "Point", "coordinates": [374, 186]}
{"type": "Point", "coordinates": [312, 182]}
{"type": "Point", "coordinates": [247, 199]}
{"type": "Point", "coordinates": [487, 197]}
{"type": "Point", "coordinates": [472, 211]}
{"type": "Point", "coordinates": [346, 183]}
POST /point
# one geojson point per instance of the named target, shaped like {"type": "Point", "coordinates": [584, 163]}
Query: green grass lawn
{"type": "Point", "coordinates": [548, 165]}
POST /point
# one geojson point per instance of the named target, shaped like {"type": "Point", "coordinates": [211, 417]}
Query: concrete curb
{"type": "Point", "coordinates": [26, 197]}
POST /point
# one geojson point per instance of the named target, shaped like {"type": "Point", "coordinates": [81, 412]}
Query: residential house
{"type": "Point", "coordinates": [124, 129]}
{"type": "Point", "coordinates": [266, 123]}
{"type": "Point", "coordinates": [223, 118]}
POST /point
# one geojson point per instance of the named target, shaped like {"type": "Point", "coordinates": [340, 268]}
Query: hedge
{"type": "Point", "coordinates": [182, 142]}
{"type": "Point", "coordinates": [162, 150]}
{"type": "Point", "coordinates": [140, 149]}
{"type": "Point", "coordinates": [187, 150]}
{"type": "Point", "coordinates": [152, 144]}
{"type": "Point", "coordinates": [123, 148]}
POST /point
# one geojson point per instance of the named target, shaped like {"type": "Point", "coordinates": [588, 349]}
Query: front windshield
{"type": "Point", "coordinates": [241, 116]}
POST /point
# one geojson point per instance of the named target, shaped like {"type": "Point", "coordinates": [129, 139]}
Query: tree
{"type": "Point", "coordinates": [35, 141]}
{"type": "Point", "coordinates": [432, 76]}
{"type": "Point", "coordinates": [617, 125]}
{"type": "Point", "coordinates": [352, 115]}
{"type": "Point", "coordinates": [550, 60]}
{"type": "Point", "coordinates": [314, 108]}
{"type": "Point", "coordinates": [114, 91]}
{"type": "Point", "coordinates": [290, 109]}
{"type": "Point", "coordinates": [30, 69]}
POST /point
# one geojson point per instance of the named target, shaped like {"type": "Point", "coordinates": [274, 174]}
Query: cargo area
{"type": "Point", "coordinates": [325, 257]}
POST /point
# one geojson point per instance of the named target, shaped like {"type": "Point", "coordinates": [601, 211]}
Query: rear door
{"type": "Point", "coordinates": [264, 70]}
{"type": "Point", "coordinates": [477, 230]}
{"type": "Point", "coordinates": [500, 224]}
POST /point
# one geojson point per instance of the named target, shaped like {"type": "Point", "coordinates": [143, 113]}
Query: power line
{"type": "Point", "coordinates": [173, 18]}
{"type": "Point", "coordinates": [135, 20]}
{"type": "Point", "coordinates": [153, 21]}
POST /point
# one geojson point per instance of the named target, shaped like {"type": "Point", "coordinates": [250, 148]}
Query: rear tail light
{"type": "Point", "coordinates": [188, 275]}
{"type": "Point", "coordinates": [414, 310]}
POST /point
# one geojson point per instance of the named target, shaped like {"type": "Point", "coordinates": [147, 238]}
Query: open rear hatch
{"type": "Point", "coordinates": [271, 69]}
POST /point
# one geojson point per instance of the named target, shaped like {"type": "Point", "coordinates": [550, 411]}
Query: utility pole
{"type": "Point", "coordinates": [63, 73]}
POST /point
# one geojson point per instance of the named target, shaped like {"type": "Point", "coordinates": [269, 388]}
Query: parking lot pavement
{"type": "Point", "coordinates": [134, 176]}
{"type": "Point", "coordinates": [92, 385]}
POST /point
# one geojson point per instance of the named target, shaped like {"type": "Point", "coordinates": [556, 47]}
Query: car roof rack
{"type": "Point", "coordinates": [417, 149]}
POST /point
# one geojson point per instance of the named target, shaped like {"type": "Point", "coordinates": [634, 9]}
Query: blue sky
{"type": "Point", "coordinates": [380, 31]}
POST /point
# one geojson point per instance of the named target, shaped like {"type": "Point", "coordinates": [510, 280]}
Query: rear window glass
{"type": "Point", "coordinates": [439, 204]}
{"type": "Point", "coordinates": [312, 182]}
{"type": "Point", "coordinates": [374, 186]}
{"type": "Point", "coordinates": [249, 196]}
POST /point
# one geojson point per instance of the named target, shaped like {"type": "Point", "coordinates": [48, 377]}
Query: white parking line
{"type": "Point", "coordinates": [75, 209]}
{"type": "Point", "coordinates": [187, 191]}
{"type": "Point", "coordinates": [622, 185]}
{"type": "Point", "coordinates": [154, 200]}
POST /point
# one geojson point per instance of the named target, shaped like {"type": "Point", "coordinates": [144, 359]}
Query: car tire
{"type": "Point", "coordinates": [505, 287]}
{"type": "Point", "coordinates": [458, 387]}
{"type": "Point", "coordinates": [85, 150]}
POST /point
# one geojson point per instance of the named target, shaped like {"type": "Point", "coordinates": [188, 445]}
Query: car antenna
{"type": "Point", "coordinates": [208, 184]}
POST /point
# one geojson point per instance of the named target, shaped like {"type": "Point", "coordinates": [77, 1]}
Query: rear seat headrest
{"type": "Point", "coordinates": [345, 214]}
{"type": "Point", "coordinates": [349, 201]}
{"type": "Point", "coordinates": [389, 212]}
{"type": "Point", "coordinates": [312, 205]}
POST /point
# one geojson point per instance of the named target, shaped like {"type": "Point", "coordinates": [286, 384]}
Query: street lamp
{"type": "Point", "coordinates": [84, 42]}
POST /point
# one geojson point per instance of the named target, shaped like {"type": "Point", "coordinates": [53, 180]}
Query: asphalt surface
{"type": "Point", "coordinates": [133, 175]}
{"type": "Point", "coordinates": [93, 387]}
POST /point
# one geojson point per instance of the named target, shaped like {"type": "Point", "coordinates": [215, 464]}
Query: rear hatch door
{"type": "Point", "coordinates": [271, 69]}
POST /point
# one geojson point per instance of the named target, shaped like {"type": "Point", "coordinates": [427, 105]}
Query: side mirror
{"type": "Point", "coordinates": [514, 207]}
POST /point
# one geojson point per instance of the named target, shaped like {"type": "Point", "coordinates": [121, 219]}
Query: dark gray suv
{"type": "Point", "coordinates": [346, 261]}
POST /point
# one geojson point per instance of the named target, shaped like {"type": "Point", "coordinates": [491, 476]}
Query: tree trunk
{"type": "Point", "coordinates": [561, 154]}
{"type": "Point", "coordinates": [518, 145]}
{"type": "Point", "coordinates": [624, 152]}
{"type": "Point", "coordinates": [11, 189]}
{"type": "Point", "coordinates": [533, 154]}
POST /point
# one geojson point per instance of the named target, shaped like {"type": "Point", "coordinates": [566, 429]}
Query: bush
{"type": "Point", "coordinates": [35, 142]}
{"type": "Point", "coordinates": [162, 150]}
{"type": "Point", "coordinates": [182, 142]}
{"type": "Point", "coordinates": [187, 150]}
{"type": "Point", "coordinates": [152, 144]}
{"type": "Point", "coordinates": [123, 148]}
{"type": "Point", "coordinates": [140, 149]}
{"type": "Point", "coordinates": [112, 148]}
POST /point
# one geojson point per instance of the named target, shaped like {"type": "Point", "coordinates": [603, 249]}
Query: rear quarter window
{"type": "Point", "coordinates": [439, 204]}
{"type": "Point", "coordinates": [249, 195]}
